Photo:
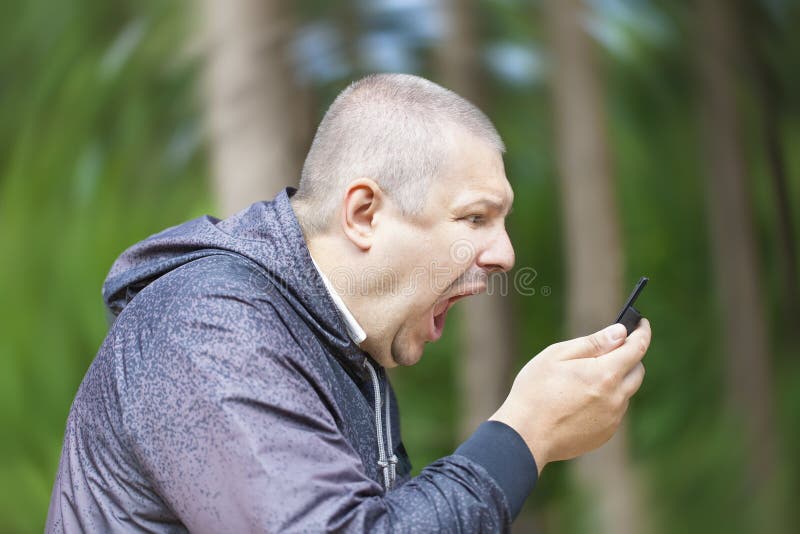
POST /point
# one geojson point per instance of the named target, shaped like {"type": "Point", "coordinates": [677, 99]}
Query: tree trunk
{"type": "Point", "coordinates": [349, 20]}
{"type": "Point", "coordinates": [258, 116]}
{"type": "Point", "coordinates": [486, 351]}
{"type": "Point", "coordinates": [770, 99]}
{"type": "Point", "coordinates": [784, 227]}
{"type": "Point", "coordinates": [593, 248]}
{"type": "Point", "coordinates": [733, 242]}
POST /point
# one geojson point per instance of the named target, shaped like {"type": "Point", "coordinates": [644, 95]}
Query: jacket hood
{"type": "Point", "coordinates": [266, 233]}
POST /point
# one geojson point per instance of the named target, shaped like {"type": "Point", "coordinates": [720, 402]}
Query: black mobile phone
{"type": "Point", "coordinates": [630, 316]}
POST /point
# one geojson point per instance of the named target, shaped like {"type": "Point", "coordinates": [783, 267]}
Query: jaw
{"type": "Point", "coordinates": [408, 342]}
{"type": "Point", "coordinates": [400, 349]}
{"type": "Point", "coordinates": [405, 352]}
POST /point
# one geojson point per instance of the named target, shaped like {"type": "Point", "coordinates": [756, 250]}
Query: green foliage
{"type": "Point", "coordinates": [100, 147]}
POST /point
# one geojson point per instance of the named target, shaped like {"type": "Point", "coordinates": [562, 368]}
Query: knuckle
{"type": "Point", "coordinates": [595, 393]}
{"type": "Point", "coordinates": [620, 408]}
{"type": "Point", "coordinates": [608, 380]}
{"type": "Point", "coordinates": [615, 401]}
{"type": "Point", "coordinates": [594, 344]}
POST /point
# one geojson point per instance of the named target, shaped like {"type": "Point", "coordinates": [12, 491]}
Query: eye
{"type": "Point", "coordinates": [475, 219]}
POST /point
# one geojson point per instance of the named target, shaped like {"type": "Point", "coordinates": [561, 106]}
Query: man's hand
{"type": "Point", "coordinates": [571, 397]}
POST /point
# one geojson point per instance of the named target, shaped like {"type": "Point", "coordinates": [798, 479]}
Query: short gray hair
{"type": "Point", "coordinates": [392, 128]}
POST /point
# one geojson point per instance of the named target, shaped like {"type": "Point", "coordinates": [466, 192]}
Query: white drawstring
{"type": "Point", "coordinates": [387, 465]}
{"type": "Point", "coordinates": [392, 457]}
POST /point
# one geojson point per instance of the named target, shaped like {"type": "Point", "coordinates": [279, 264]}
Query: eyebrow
{"type": "Point", "coordinates": [492, 203]}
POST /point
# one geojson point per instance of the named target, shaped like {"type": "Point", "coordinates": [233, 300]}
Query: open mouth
{"type": "Point", "coordinates": [439, 314]}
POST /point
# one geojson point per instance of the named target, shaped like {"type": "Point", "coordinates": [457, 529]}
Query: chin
{"type": "Point", "coordinates": [405, 355]}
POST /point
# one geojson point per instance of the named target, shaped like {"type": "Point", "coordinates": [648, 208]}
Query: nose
{"type": "Point", "coordinates": [498, 256]}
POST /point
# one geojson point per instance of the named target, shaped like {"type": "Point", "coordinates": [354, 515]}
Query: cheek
{"type": "Point", "coordinates": [463, 249]}
{"type": "Point", "coordinates": [414, 327]}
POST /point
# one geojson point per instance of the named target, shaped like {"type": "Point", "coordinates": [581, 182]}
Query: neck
{"type": "Point", "coordinates": [337, 265]}
{"type": "Point", "coordinates": [338, 260]}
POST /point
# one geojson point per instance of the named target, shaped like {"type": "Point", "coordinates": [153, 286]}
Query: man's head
{"type": "Point", "coordinates": [402, 200]}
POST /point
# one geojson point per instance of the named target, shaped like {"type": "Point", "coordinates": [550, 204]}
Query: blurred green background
{"type": "Point", "coordinates": [105, 138]}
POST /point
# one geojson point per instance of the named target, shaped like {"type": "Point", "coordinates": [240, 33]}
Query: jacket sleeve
{"type": "Point", "coordinates": [234, 435]}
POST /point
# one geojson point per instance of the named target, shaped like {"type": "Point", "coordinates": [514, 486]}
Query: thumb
{"type": "Point", "coordinates": [592, 345]}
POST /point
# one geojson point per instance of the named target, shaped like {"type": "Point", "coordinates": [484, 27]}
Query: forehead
{"type": "Point", "coordinates": [474, 173]}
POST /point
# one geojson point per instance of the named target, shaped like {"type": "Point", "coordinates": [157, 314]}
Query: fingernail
{"type": "Point", "coordinates": [615, 332]}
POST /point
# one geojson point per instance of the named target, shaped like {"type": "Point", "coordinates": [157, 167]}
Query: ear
{"type": "Point", "coordinates": [362, 202]}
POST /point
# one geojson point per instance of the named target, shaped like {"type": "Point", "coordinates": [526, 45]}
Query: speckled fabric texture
{"type": "Point", "coordinates": [228, 397]}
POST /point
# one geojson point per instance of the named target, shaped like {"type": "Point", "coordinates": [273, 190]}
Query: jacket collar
{"type": "Point", "coordinates": [305, 283]}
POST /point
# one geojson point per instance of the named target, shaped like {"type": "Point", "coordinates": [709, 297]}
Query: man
{"type": "Point", "coordinates": [242, 388]}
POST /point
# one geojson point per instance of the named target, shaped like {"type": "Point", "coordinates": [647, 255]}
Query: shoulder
{"type": "Point", "coordinates": [218, 285]}
{"type": "Point", "coordinates": [211, 315]}
{"type": "Point", "coordinates": [210, 329]}
{"type": "Point", "coordinates": [211, 274]}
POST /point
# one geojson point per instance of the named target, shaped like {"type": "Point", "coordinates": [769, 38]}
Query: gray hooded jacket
{"type": "Point", "coordinates": [228, 397]}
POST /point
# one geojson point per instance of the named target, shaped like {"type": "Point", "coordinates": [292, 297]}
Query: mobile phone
{"type": "Point", "coordinates": [630, 316]}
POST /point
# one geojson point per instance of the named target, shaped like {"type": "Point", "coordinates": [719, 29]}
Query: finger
{"type": "Point", "coordinates": [632, 351]}
{"type": "Point", "coordinates": [592, 345]}
{"type": "Point", "coordinates": [633, 380]}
